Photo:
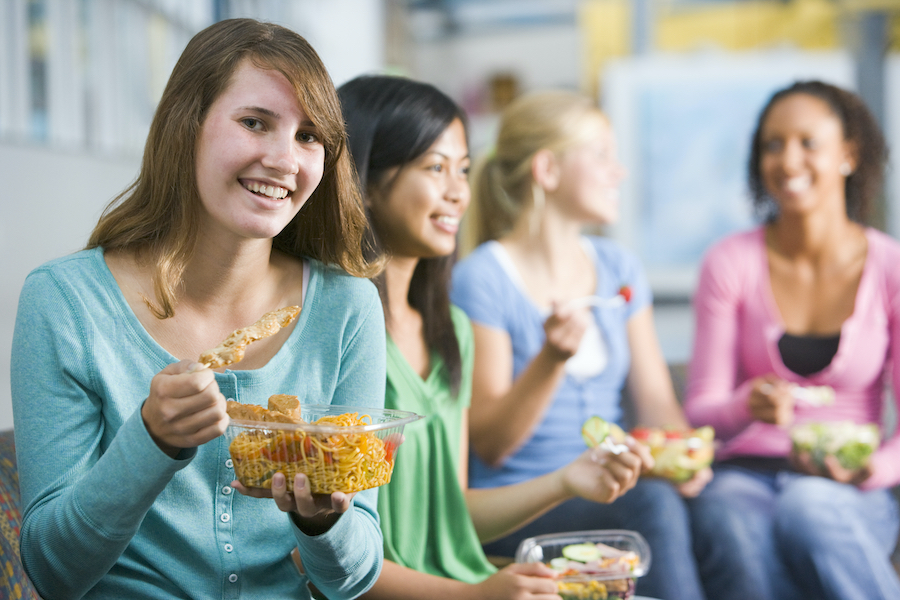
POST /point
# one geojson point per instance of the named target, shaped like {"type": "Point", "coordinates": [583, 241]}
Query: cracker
{"type": "Point", "coordinates": [232, 349]}
{"type": "Point", "coordinates": [253, 412]}
{"type": "Point", "coordinates": [285, 404]}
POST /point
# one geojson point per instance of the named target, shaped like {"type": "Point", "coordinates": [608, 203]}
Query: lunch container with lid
{"type": "Point", "coordinates": [615, 582]}
{"type": "Point", "coordinates": [335, 458]}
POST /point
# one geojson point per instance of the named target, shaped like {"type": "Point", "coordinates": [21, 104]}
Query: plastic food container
{"type": "Point", "coordinates": [850, 442]}
{"type": "Point", "coordinates": [340, 448]}
{"type": "Point", "coordinates": [592, 565]}
{"type": "Point", "coordinates": [678, 454]}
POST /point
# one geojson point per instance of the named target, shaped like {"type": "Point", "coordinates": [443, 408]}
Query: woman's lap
{"type": "Point", "coordinates": [765, 534]}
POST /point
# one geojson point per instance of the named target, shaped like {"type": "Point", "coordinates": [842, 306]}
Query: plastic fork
{"type": "Point", "coordinates": [612, 447]}
{"type": "Point", "coordinates": [814, 395]}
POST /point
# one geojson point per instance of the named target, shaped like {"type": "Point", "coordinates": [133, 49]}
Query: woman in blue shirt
{"type": "Point", "coordinates": [545, 363]}
{"type": "Point", "coordinates": [245, 203]}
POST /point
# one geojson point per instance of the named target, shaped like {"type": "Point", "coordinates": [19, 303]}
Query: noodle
{"type": "Point", "coordinates": [334, 462]}
{"type": "Point", "coordinates": [597, 590]}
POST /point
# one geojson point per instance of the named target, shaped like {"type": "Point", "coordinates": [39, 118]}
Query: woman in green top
{"type": "Point", "coordinates": [409, 144]}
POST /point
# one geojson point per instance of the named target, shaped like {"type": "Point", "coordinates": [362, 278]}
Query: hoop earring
{"type": "Point", "coordinates": [845, 169]}
{"type": "Point", "coordinates": [538, 201]}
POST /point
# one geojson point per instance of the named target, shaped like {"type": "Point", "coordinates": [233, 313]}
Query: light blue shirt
{"type": "Point", "coordinates": [108, 515]}
{"type": "Point", "coordinates": [483, 288]}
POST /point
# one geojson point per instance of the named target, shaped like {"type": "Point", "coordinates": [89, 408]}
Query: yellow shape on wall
{"type": "Point", "coordinates": [606, 27]}
{"type": "Point", "coordinates": [606, 33]}
{"type": "Point", "coordinates": [807, 24]}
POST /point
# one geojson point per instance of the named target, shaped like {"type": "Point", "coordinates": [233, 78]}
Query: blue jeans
{"type": "Point", "coordinates": [785, 536]}
{"type": "Point", "coordinates": [652, 508]}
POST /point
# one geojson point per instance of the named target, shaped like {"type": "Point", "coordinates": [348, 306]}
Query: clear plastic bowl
{"type": "Point", "coordinates": [852, 443]}
{"type": "Point", "coordinates": [335, 458]}
{"type": "Point", "coordinates": [614, 581]}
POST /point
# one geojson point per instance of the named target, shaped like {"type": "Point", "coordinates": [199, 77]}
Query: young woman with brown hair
{"type": "Point", "coordinates": [245, 203]}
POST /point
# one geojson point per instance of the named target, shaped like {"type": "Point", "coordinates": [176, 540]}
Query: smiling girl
{"type": "Point", "coordinates": [810, 298]}
{"type": "Point", "coordinates": [245, 203]}
{"type": "Point", "coordinates": [409, 143]}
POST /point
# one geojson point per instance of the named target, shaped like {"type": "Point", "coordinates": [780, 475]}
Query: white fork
{"type": "Point", "coordinates": [814, 395]}
{"type": "Point", "coordinates": [598, 301]}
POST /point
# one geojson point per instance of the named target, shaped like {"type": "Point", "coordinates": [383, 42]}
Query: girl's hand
{"type": "Point", "coordinates": [519, 581]}
{"type": "Point", "coordinates": [771, 401]}
{"type": "Point", "coordinates": [315, 513]}
{"type": "Point", "coordinates": [563, 331]}
{"type": "Point", "coordinates": [601, 476]}
{"type": "Point", "coordinates": [185, 407]}
{"type": "Point", "coordinates": [831, 469]}
{"type": "Point", "coordinates": [693, 486]}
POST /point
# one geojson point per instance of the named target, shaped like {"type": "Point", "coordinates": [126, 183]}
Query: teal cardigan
{"type": "Point", "coordinates": [109, 515]}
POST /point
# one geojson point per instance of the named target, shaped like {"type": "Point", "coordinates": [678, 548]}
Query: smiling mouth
{"type": "Point", "coordinates": [269, 191]}
{"type": "Point", "coordinates": [797, 184]}
{"type": "Point", "coordinates": [447, 220]}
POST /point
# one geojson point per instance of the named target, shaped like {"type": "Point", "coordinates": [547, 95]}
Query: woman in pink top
{"type": "Point", "coordinates": [811, 298]}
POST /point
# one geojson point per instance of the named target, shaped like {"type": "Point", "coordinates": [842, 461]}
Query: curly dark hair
{"type": "Point", "coordinates": [860, 129]}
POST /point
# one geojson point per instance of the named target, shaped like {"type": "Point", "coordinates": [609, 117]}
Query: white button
{"type": "Point", "coordinates": [225, 517]}
{"type": "Point", "coordinates": [228, 463]}
{"type": "Point", "coordinates": [232, 578]}
{"type": "Point", "coordinates": [228, 547]}
{"type": "Point", "coordinates": [226, 490]}
{"type": "Point", "coordinates": [230, 399]}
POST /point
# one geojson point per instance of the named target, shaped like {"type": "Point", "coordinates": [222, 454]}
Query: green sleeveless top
{"type": "Point", "coordinates": [424, 517]}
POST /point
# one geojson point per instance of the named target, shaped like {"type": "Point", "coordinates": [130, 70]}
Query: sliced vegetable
{"type": "Point", "coordinates": [581, 552]}
{"type": "Point", "coordinates": [594, 431]}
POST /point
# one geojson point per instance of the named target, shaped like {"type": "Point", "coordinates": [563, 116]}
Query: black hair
{"type": "Point", "coordinates": [860, 129]}
{"type": "Point", "coordinates": [391, 121]}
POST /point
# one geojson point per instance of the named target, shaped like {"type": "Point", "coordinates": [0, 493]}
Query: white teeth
{"type": "Point", "coordinates": [272, 191]}
{"type": "Point", "coordinates": [448, 220]}
{"type": "Point", "coordinates": [797, 184]}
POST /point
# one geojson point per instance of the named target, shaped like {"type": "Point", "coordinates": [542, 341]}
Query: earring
{"type": "Point", "coordinates": [538, 200]}
{"type": "Point", "coordinates": [845, 169]}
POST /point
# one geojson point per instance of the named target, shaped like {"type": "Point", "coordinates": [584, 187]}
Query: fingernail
{"type": "Point", "coordinates": [197, 366]}
{"type": "Point", "coordinates": [300, 482]}
{"type": "Point", "coordinates": [278, 480]}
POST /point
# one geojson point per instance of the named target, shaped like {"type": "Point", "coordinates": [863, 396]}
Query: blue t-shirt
{"type": "Point", "coordinates": [484, 289]}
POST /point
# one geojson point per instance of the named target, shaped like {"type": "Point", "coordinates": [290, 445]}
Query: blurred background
{"type": "Point", "coordinates": [681, 80]}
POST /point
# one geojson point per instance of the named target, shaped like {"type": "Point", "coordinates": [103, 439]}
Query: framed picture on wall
{"type": "Point", "coordinates": [683, 125]}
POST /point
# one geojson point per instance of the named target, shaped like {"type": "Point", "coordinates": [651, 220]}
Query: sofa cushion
{"type": "Point", "coordinates": [13, 581]}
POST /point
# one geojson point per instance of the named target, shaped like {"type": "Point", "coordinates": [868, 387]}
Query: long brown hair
{"type": "Point", "coordinates": [157, 216]}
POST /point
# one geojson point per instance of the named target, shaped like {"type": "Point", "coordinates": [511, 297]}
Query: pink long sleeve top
{"type": "Point", "coordinates": [738, 326]}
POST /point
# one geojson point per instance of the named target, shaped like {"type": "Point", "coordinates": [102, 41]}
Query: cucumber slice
{"type": "Point", "coordinates": [594, 431]}
{"type": "Point", "coordinates": [581, 552]}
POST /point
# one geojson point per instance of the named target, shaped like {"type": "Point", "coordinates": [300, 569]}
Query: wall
{"type": "Point", "coordinates": [51, 201]}
{"type": "Point", "coordinates": [540, 56]}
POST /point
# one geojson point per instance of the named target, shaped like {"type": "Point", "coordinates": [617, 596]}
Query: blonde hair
{"type": "Point", "coordinates": [502, 181]}
{"type": "Point", "coordinates": [157, 217]}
